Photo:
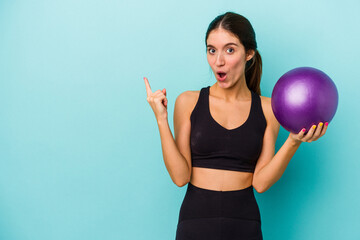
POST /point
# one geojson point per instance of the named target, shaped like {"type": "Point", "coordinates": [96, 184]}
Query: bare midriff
{"type": "Point", "coordinates": [219, 179]}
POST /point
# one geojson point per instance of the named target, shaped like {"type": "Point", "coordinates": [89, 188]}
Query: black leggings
{"type": "Point", "coordinates": [219, 215]}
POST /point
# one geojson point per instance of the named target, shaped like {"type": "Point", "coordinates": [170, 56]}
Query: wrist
{"type": "Point", "coordinates": [293, 142]}
{"type": "Point", "coordinates": [162, 121]}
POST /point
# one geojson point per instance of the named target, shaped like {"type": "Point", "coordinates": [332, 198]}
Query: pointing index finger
{"type": "Point", "coordinates": [147, 85]}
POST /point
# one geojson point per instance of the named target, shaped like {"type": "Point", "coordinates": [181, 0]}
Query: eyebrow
{"type": "Point", "coordinates": [224, 45]}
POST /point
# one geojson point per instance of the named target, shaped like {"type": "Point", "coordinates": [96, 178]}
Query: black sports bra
{"type": "Point", "coordinates": [213, 146]}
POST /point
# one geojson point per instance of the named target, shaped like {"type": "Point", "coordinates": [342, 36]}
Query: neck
{"type": "Point", "coordinates": [237, 92]}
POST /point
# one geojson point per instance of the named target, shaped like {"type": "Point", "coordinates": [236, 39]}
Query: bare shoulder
{"type": "Point", "coordinates": [266, 105]}
{"type": "Point", "coordinates": [268, 112]}
{"type": "Point", "coordinates": [187, 100]}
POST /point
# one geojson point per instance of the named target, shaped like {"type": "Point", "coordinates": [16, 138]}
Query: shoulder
{"type": "Point", "coordinates": [188, 95]}
{"type": "Point", "coordinates": [268, 112]}
{"type": "Point", "coordinates": [265, 104]}
{"type": "Point", "coordinates": [187, 100]}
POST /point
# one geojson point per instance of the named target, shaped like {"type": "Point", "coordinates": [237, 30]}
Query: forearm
{"type": "Point", "coordinates": [175, 162]}
{"type": "Point", "coordinates": [273, 171]}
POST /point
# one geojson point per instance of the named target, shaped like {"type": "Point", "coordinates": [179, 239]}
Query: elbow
{"type": "Point", "coordinates": [260, 188]}
{"type": "Point", "coordinates": [259, 184]}
{"type": "Point", "coordinates": [182, 182]}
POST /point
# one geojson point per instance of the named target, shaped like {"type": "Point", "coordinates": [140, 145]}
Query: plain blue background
{"type": "Point", "coordinates": [80, 151]}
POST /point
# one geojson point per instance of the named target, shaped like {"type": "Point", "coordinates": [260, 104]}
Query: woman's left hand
{"type": "Point", "coordinates": [311, 135]}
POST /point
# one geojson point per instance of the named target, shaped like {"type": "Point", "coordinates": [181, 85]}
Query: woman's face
{"type": "Point", "coordinates": [226, 54]}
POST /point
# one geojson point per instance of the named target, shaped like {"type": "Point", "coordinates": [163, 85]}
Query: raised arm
{"type": "Point", "coordinates": [176, 164]}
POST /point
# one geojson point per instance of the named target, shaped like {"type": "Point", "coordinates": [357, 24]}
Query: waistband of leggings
{"type": "Point", "coordinates": [190, 185]}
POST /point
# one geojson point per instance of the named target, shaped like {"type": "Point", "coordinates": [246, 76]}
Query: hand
{"type": "Point", "coordinates": [311, 135]}
{"type": "Point", "coordinates": [157, 101]}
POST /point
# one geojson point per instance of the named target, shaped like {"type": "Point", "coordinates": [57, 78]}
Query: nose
{"type": "Point", "coordinates": [220, 60]}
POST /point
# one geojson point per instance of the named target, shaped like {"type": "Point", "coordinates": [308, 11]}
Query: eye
{"type": "Point", "coordinates": [231, 49]}
{"type": "Point", "coordinates": [210, 50]}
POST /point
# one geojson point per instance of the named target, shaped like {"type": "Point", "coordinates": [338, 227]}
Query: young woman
{"type": "Point", "coordinates": [225, 138]}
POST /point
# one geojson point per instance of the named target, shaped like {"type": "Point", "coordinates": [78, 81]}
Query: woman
{"type": "Point", "coordinates": [225, 138]}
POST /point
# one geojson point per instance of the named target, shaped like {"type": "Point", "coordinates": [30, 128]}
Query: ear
{"type": "Point", "coordinates": [250, 54]}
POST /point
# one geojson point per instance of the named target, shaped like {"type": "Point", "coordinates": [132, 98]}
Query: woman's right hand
{"type": "Point", "coordinates": [157, 101]}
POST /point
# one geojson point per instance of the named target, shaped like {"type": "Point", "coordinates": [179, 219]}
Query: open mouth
{"type": "Point", "coordinates": [221, 76]}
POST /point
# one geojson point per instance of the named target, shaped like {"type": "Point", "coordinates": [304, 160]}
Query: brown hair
{"type": "Point", "coordinates": [241, 27]}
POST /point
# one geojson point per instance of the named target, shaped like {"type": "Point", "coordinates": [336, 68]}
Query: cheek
{"type": "Point", "coordinates": [209, 60]}
{"type": "Point", "coordinates": [237, 64]}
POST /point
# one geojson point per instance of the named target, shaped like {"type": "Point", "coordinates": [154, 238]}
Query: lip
{"type": "Point", "coordinates": [219, 78]}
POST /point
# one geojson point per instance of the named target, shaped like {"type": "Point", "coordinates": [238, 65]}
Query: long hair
{"type": "Point", "coordinates": [241, 27]}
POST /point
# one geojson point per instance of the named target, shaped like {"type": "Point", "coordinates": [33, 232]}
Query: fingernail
{"type": "Point", "coordinates": [304, 130]}
{"type": "Point", "coordinates": [313, 126]}
{"type": "Point", "coordinates": [326, 123]}
{"type": "Point", "coordinates": [321, 124]}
